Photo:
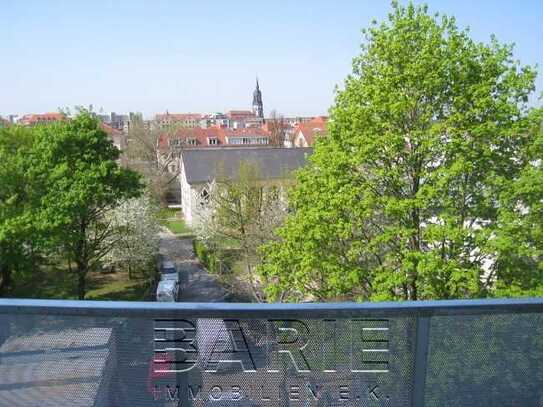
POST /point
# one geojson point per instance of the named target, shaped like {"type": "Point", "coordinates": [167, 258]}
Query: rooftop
{"type": "Point", "coordinates": [206, 164]}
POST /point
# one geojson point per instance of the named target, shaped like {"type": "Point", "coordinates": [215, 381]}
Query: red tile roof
{"type": "Point", "coordinates": [185, 134]}
{"type": "Point", "coordinates": [32, 119]}
{"type": "Point", "coordinates": [246, 132]}
{"type": "Point", "coordinates": [240, 114]}
{"type": "Point", "coordinates": [110, 130]}
{"type": "Point", "coordinates": [311, 129]}
{"type": "Point", "coordinates": [202, 135]}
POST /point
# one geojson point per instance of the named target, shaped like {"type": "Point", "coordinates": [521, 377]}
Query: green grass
{"type": "Point", "coordinates": [168, 213]}
{"type": "Point", "coordinates": [177, 227]}
{"type": "Point", "coordinates": [58, 283]}
{"type": "Point", "coordinates": [120, 290]}
{"type": "Point", "coordinates": [171, 219]}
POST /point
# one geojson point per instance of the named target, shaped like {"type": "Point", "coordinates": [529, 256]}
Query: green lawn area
{"type": "Point", "coordinates": [60, 284]}
{"type": "Point", "coordinates": [171, 218]}
{"type": "Point", "coordinates": [168, 213]}
{"type": "Point", "coordinates": [119, 287]}
{"type": "Point", "coordinates": [176, 226]}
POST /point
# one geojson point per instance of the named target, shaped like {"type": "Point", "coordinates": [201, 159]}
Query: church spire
{"type": "Point", "coordinates": [258, 107]}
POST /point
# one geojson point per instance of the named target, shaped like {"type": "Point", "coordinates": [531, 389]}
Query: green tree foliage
{"type": "Point", "coordinates": [75, 179]}
{"type": "Point", "coordinates": [242, 211]}
{"type": "Point", "coordinates": [402, 199]}
{"type": "Point", "coordinates": [16, 237]}
{"type": "Point", "coordinates": [518, 239]}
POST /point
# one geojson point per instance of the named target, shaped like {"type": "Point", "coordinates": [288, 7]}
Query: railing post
{"type": "Point", "coordinates": [421, 359]}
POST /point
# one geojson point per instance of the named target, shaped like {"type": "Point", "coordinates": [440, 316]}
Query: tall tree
{"type": "Point", "coordinates": [401, 200]}
{"type": "Point", "coordinates": [277, 128]}
{"type": "Point", "coordinates": [17, 237]}
{"type": "Point", "coordinates": [244, 210]}
{"type": "Point", "coordinates": [150, 153]}
{"type": "Point", "coordinates": [134, 241]}
{"type": "Point", "coordinates": [518, 238]}
{"type": "Point", "coordinates": [75, 180]}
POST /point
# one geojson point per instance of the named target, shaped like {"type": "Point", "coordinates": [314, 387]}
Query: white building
{"type": "Point", "coordinates": [200, 166]}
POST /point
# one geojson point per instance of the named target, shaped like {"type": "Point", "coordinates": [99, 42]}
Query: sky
{"type": "Point", "coordinates": [203, 56]}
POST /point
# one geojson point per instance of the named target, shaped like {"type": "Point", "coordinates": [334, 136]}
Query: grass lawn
{"type": "Point", "coordinates": [170, 218]}
{"type": "Point", "coordinates": [60, 284]}
{"type": "Point", "coordinates": [176, 226]}
{"type": "Point", "coordinates": [118, 287]}
{"type": "Point", "coordinates": [168, 213]}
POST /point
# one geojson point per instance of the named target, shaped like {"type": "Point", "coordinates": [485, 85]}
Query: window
{"type": "Point", "coordinates": [204, 197]}
{"type": "Point", "coordinates": [212, 141]}
{"type": "Point", "coordinates": [191, 141]}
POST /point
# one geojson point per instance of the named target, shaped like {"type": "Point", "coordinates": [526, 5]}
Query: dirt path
{"type": "Point", "coordinates": [197, 285]}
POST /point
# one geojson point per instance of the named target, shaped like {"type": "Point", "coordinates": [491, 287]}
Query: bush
{"type": "Point", "coordinates": [215, 260]}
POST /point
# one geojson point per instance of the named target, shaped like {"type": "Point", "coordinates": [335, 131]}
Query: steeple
{"type": "Point", "coordinates": [258, 107]}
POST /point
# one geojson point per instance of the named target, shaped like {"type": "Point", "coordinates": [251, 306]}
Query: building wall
{"type": "Point", "coordinates": [191, 201]}
{"type": "Point", "coordinates": [186, 195]}
{"type": "Point", "coordinates": [300, 140]}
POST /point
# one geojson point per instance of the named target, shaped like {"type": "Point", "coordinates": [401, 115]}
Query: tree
{"type": "Point", "coordinates": [278, 129]}
{"type": "Point", "coordinates": [75, 180]}
{"type": "Point", "coordinates": [401, 200]}
{"type": "Point", "coordinates": [17, 237]}
{"type": "Point", "coordinates": [244, 210]}
{"type": "Point", "coordinates": [149, 152]}
{"type": "Point", "coordinates": [518, 238]}
{"type": "Point", "coordinates": [134, 241]}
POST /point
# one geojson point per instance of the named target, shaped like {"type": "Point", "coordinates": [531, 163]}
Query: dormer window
{"type": "Point", "coordinates": [191, 141]}
{"type": "Point", "coordinates": [212, 141]}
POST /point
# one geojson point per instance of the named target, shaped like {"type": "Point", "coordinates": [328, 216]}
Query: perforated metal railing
{"type": "Point", "coordinates": [446, 353]}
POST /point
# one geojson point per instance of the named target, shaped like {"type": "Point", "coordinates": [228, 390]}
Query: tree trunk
{"type": "Point", "coordinates": [5, 278]}
{"type": "Point", "coordinates": [81, 280]}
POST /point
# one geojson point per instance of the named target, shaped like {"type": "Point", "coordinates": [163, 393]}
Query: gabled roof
{"type": "Point", "coordinates": [206, 164]}
{"type": "Point", "coordinates": [311, 129]}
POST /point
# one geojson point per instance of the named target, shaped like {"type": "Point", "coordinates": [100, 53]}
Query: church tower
{"type": "Point", "coordinates": [258, 107]}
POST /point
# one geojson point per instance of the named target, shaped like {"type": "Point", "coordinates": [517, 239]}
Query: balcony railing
{"type": "Point", "coordinates": [443, 353]}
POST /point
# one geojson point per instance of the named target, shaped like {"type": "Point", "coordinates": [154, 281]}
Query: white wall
{"type": "Point", "coordinates": [300, 140]}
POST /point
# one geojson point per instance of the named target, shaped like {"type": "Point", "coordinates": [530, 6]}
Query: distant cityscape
{"type": "Point", "coordinates": [235, 127]}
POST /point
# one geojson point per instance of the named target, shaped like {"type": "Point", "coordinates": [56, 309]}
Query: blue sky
{"type": "Point", "coordinates": [203, 56]}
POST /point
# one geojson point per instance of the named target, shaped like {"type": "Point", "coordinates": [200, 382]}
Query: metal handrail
{"type": "Point", "coordinates": [273, 310]}
{"type": "Point", "coordinates": [419, 313]}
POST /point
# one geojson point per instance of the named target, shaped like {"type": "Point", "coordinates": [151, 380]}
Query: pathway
{"type": "Point", "coordinates": [197, 285]}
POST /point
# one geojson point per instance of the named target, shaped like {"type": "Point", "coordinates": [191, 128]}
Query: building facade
{"type": "Point", "coordinates": [305, 134]}
{"type": "Point", "coordinates": [201, 167]}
